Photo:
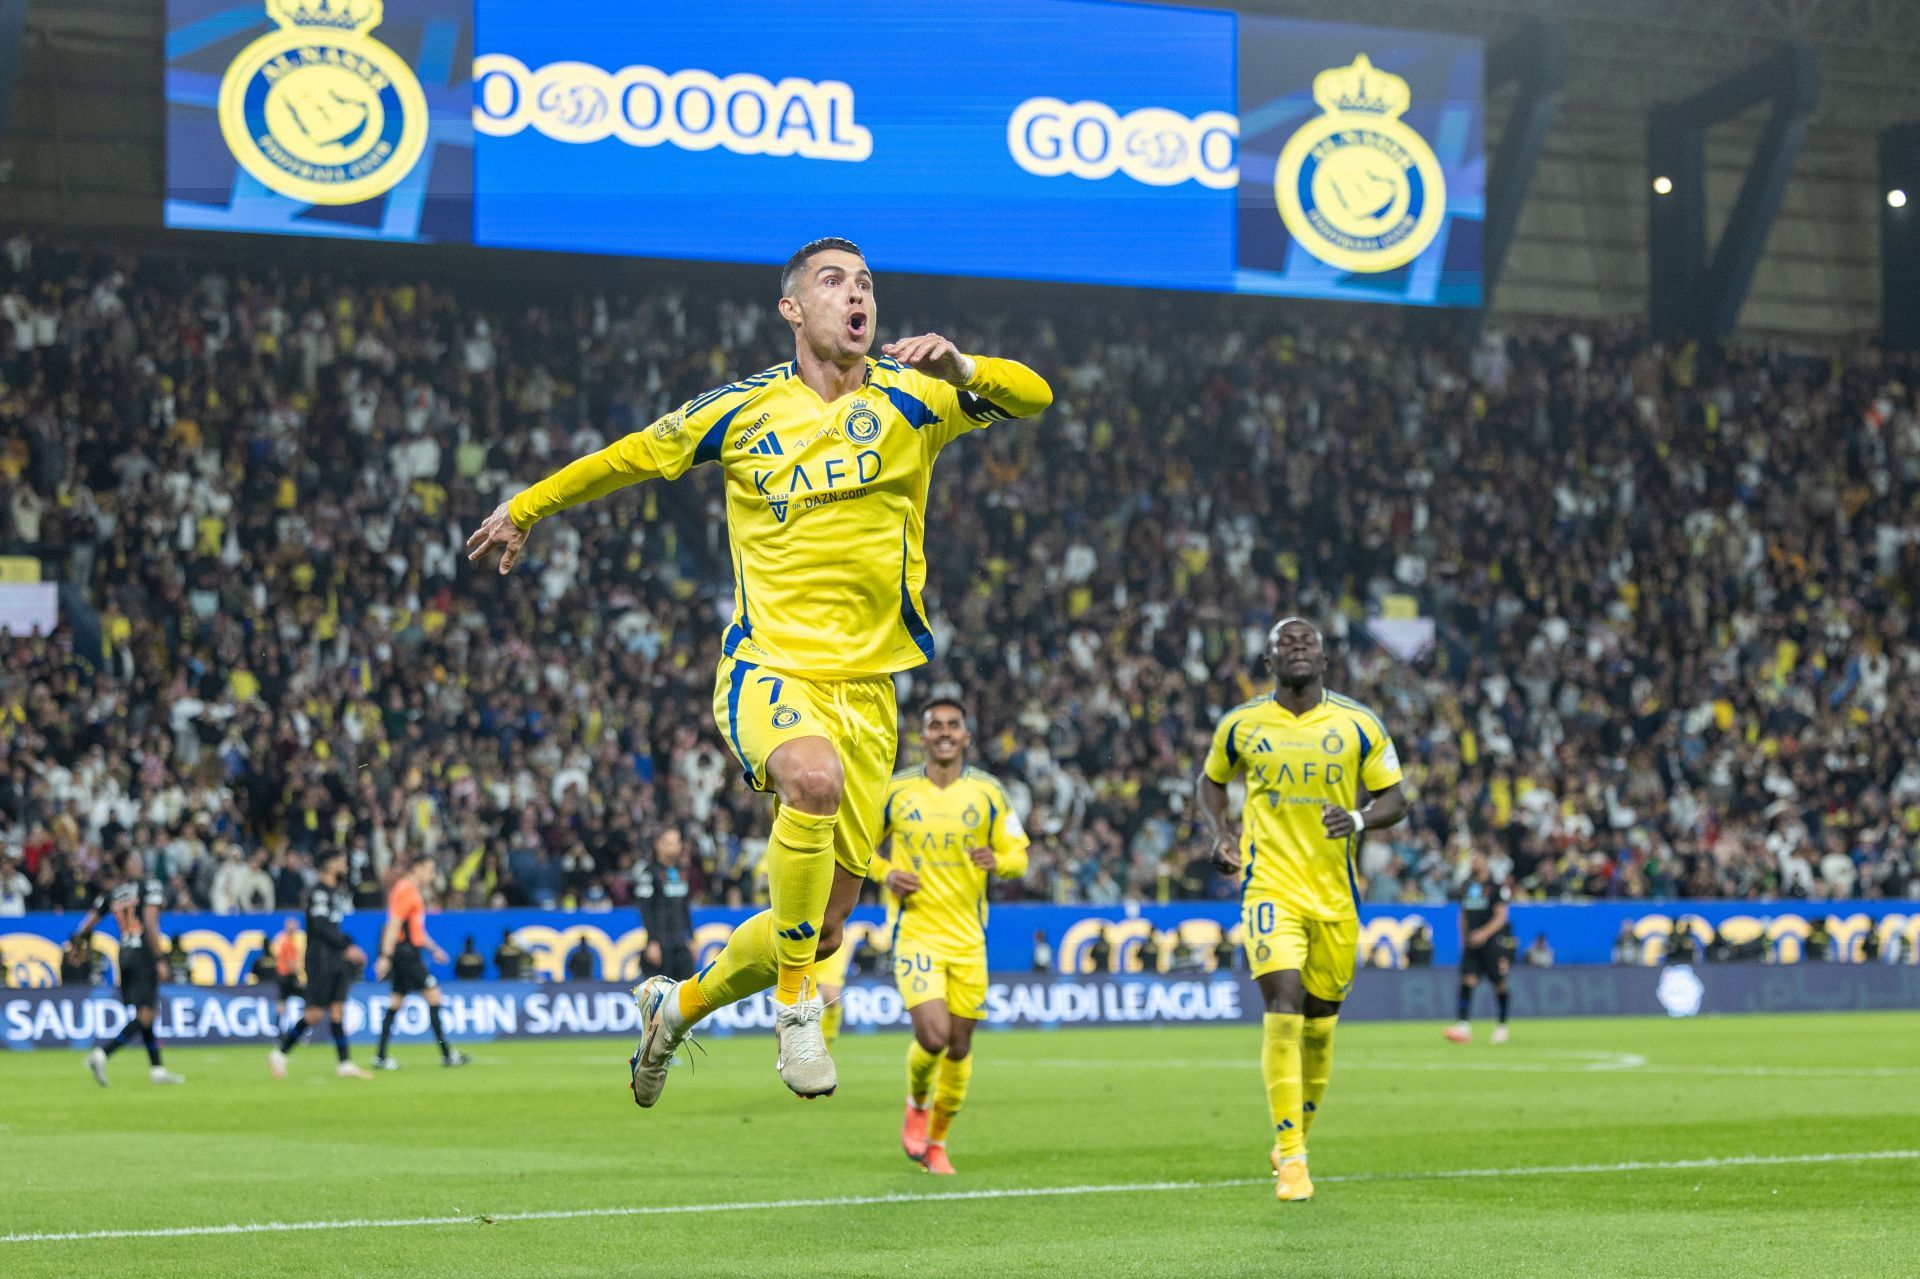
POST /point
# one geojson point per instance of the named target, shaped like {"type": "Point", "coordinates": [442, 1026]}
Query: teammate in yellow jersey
{"type": "Point", "coordinates": [950, 828]}
{"type": "Point", "coordinates": [827, 459]}
{"type": "Point", "coordinates": [1319, 769]}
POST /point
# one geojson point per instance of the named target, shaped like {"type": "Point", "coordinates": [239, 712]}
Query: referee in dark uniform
{"type": "Point", "coordinates": [1485, 946]}
{"type": "Point", "coordinates": [665, 897]}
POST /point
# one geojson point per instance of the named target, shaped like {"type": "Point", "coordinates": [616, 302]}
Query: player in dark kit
{"type": "Point", "coordinates": [401, 942]}
{"type": "Point", "coordinates": [134, 901]}
{"type": "Point", "coordinates": [1484, 934]}
{"type": "Point", "coordinates": [331, 959]}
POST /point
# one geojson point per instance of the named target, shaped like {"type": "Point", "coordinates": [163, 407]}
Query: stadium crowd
{"type": "Point", "coordinates": [1673, 591]}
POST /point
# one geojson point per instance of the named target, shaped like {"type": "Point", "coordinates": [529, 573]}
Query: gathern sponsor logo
{"type": "Point", "coordinates": [754, 428]}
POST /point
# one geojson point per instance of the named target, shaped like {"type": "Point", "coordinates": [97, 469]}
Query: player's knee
{"type": "Point", "coordinates": [815, 784]}
{"type": "Point", "coordinates": [932, 1038]}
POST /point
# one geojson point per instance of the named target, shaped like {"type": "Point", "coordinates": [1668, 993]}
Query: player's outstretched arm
{"type": "Point", "coordinates": [626, 461]}
{"type": "Point", "coordinates": [992, 383]}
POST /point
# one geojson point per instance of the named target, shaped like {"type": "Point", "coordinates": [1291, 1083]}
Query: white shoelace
{"type": "Point", "coordinates": [802, 1016]}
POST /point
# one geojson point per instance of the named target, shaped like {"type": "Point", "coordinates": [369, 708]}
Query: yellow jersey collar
{"type": "Point", "coordinates": [1273, 699]}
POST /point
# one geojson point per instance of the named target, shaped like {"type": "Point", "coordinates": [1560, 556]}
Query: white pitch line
{"type": "Point", "coordinates": [1634, 1062]}
{"type": "Point", "coordinates": [952, 1196]}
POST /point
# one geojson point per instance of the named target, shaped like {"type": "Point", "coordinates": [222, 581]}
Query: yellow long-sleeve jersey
{"type": "Point", "coordinates": [826, 503]}
{"type": "Point", "coordinates": [933, 830]}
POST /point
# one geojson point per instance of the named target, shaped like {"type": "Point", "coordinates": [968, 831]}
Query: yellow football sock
{"type": "Point", "coordinates": [1280, 1066]}
{"type": "Point", "coordinates": [1316, 1063]}
{"type": "Point", "coordinates": [949, 1094]}
{"type": "Point", "coordinates": [692, 1002]}
{"type": "Point", "coordinates": [799, 881]}
{"type": "Point", "coordinates": [745, 965]}
{"type": "Point", "coordinates": [920, 1067]}
{"type": "Point", "coordinates": [830, 1023]}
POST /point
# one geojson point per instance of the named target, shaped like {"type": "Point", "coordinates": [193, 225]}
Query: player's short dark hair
{"type": "Point", "coordinates": [418, 860]}
{"type": "Point", "coordinates": [933, 704]}
{"type": "Point", "coordinates": [802, 255]}
{"type": "Point", "coordinates": [1295, 617]}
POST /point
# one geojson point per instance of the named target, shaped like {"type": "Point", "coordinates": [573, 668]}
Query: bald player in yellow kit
{"type": "Point", "coordinates": [827, 459]}
{"type": "Point", "coordinates": [949, 829]}
{"type": "Point", "coordinates": [1319, 769]}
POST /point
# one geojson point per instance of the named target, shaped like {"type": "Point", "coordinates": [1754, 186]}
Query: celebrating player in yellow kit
{"type": "Point", "coordinates": [827, 459]}
{"type": "Point", "coordinates": [1307, 755]}
{"type": "Point", "coordinates": [951, 827]}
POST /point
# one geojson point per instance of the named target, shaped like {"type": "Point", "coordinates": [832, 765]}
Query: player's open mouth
{"type": "Point", "coordinates": [857, 324]}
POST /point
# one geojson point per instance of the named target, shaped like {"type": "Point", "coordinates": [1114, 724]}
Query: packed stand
{"type": "Point", "coordinates": [1674, 590]}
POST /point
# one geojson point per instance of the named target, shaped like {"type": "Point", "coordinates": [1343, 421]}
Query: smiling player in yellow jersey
{"type": "Point", "coordinates": [950, 827]}
{"type": "Point", "coordinates": [827, 459]}
{"type": "Point", "coordinates": [1319, 769]}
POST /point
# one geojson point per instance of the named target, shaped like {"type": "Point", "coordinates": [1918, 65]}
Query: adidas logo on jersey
{"type": "Point", "coordinates": [769, 446]}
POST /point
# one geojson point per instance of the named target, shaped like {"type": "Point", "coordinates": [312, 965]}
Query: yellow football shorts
{"type": "Point", "coordinates": [924, 974]}
{"type": "Point", "coordinates": [1321, 949]}
{"type": "Point", "coordinates": [759, 710]}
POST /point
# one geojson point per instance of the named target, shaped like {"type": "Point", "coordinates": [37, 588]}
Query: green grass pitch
{"type": "Point", "coordinates": [1763, 1145]}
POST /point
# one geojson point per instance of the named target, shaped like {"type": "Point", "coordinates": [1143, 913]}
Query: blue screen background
{"type": "Point", "coordinates": [935, 85]}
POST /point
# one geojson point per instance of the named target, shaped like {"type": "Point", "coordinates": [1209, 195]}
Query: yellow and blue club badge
{"type": "Point", "coordinates": [319, 110]}
{"type": "Point", "coordinates": [1357, 187]}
